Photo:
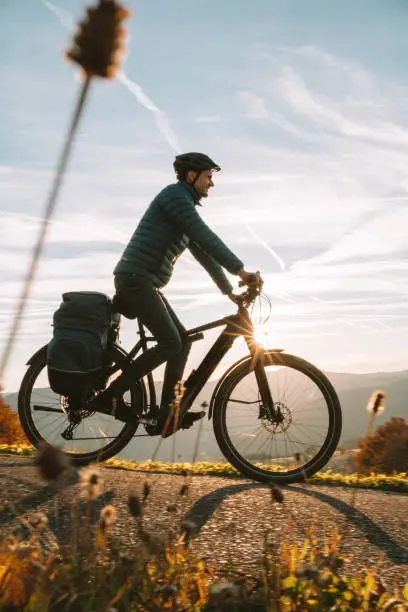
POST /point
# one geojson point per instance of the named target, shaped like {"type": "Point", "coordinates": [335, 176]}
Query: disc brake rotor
{"type": "Point", "coordinates": [277, 426]}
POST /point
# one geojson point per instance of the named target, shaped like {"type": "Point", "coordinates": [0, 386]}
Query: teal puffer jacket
{"type": "Point", "coordinates": [171, 224]}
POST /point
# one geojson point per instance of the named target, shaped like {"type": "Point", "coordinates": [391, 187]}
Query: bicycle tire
{"type": "Point", "coordinates": [258, 472]}
{"type": "Point", "coordinates": [36, 367]}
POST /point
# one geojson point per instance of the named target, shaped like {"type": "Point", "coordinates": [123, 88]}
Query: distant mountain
{"type": "Point", "coordinates": [373, 380]}
{"type": "Point", "coordinates": [354, 391]}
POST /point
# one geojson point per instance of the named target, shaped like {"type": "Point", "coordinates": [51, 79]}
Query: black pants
{"type": "Point", "coordinates": [138, 298]}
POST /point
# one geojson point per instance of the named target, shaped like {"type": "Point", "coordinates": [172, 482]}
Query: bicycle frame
{"type": "Point", "coordinates": [236, 325]}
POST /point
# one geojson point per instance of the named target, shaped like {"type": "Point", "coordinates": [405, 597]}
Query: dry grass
{"type": "Point", "coordinates": [93, 573]}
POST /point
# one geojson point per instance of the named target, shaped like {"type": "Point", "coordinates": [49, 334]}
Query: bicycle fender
{"type": "Point", "coordinates": [221, 382]}
{"type": "Point", "coordinates": [227, 373]}
{"type": "Point", "coordinates": [42, 351]}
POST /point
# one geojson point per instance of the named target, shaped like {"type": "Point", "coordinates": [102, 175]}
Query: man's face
{"type": "Point", "coordinates": [203, 182]}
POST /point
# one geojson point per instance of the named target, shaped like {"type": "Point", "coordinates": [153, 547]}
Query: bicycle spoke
{"type": "Point", "coordinates": [236, 401]}
{"type": "Point", "coordinates": [48, 417]}
{"type": "Point", "coordinates": [285, 442]}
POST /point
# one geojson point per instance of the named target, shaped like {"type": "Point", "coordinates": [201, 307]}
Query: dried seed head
{"type": "Point", "coordinates": [146, 490]}
{"type": "Point", "coordinates": [179, 389]}
{"type": "Point", "coordinates": [90, 482]}
{"type": "Point", "coordinates": [276, 494]}
{"type": "Point", "coordinates": [38, 520]}
{"type": "Point", "coordinates": [97, 43]}
{"type": "Point", "coordinates": [376, 403]}
{"type": "Point", "coordinates": [183, 489]}
{"type": "Point", "coordinates": [109, 514]}
{"type": "Point", "coordinates": [135, 505]}
{"type": "Point", "coordinates": [52, 462]}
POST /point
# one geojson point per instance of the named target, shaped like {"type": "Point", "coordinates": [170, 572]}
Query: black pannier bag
{"type": "Point", "coordinates": [85, 325]}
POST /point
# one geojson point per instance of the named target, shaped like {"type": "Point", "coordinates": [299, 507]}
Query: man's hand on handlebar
{"type": "Point", "coordinates": [253, 280]}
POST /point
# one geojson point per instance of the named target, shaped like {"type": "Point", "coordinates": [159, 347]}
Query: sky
{"type": "Point", "coordinates": [304, 105]}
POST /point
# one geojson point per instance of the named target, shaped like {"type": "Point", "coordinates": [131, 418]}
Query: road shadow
{"type": "Point", "coordinates": [31, 501]}
{"type": "Point", "coordinates": [373, 533]}
{"type": "Point", "coordinates": [41, 494]}
{"type": "Point", "coordinates": [204, 508]}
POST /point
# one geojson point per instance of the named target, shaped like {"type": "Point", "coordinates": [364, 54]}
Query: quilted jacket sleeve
{"type": "Point", "coordinates": [181, 211]}
{"type": "Point", "coordinates": [214, 269]}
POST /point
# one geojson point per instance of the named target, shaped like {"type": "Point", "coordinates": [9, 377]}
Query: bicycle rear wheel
{"type": "Point", "coordinates": [285, 452]}
{"type": "Point", "coordinates": [44, 416]}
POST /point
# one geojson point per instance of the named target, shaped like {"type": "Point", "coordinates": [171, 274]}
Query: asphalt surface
{"type": "Point", "coordinates": [228, 516]}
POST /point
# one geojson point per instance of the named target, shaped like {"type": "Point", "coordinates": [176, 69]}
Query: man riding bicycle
{"type": "Point", "coordinates": [170, 224]}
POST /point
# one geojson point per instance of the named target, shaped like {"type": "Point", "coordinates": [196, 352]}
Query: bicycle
{"type": "Point", "coordinates": [258, 406]}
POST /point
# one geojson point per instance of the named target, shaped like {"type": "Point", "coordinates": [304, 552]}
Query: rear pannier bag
{"type": "Point", "coordinates": [84, 325]}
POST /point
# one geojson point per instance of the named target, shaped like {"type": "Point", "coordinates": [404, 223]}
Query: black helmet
{"type": "Point", "coordinates": [193, 161]}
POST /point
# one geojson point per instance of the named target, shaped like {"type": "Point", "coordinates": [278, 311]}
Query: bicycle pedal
{"type": "Point", "coordinates": [186, 422]}
{"type": "Point", "coordinates": [190, 418]}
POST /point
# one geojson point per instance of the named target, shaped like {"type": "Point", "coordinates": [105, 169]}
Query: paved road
{"type": "Point", "coordinates": [231, 515]}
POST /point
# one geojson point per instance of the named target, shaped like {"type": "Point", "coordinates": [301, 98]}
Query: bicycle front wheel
{"type": "Point", "coordinates": [262, 448]}
{"type": "Point", "coordinates": [44, 416]}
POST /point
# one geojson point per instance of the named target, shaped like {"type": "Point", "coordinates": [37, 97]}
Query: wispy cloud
{"type": "Point", "coordinates": [314, 193]}
{"type": "Point", "coordinates": [252, 104]}
{"type": "Point", "coordinates": [162, 122]}
{"type": "Point", "coordinates": [384, 235]}
{"type": "Point", "coordinates": [266, 246]}
{"type": "Point", "coordinates": [208, 119]}
{"type": "Point", "coordinates": [322, 111]}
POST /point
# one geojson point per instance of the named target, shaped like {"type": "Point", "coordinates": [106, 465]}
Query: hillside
{"type": "Point", "coordinates": [354, 391]}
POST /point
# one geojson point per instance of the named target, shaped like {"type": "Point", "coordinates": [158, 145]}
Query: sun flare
{"type": "Point", "coordinates": [262, 335]}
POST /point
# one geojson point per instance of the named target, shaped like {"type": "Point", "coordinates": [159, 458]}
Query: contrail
{"type": "Point", "coordinates": [64, 17]}
{"type": "Point", "coordinates": [162, 122]}
{"type": "Point", "coordinates": [134, 88]}
{"type": "Point", "coordinates": [266, 246]}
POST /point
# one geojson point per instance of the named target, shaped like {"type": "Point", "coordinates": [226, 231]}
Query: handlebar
{"type": "Point", "coordinates": [242, 283]}
{"type": "Point", "coordinates": [247, 297]}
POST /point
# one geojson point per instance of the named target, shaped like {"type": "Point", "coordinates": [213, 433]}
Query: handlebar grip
{"type": "Point", "coordinates": [252, 277]}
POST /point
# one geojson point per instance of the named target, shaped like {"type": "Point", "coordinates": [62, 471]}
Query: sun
{"type": "Point", "coordinates": [261, 334]}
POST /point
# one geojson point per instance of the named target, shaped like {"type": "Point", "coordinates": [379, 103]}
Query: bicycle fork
{"type": "Point", "coordinates": [267, 408]}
